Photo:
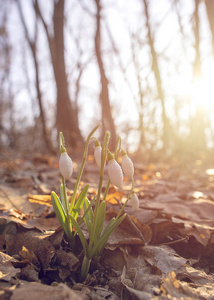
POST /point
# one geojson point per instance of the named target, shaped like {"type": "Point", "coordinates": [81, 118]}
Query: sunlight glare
{"type": "Point", "coordinates": [202, 90]}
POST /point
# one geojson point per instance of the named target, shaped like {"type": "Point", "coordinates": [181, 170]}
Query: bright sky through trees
{"type": "Point", "coordinates": [173, 41]}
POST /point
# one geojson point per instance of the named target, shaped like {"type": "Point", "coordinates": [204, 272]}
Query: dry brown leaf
{"type": "Point", "coordinates": [35, 291]}
{"type": "Point", "coordinates": [14, 198]}
{"type": "Point", "coordinates": [163, 258]}
{"type": "Point", "coordinates": [34, 240]}
{"type": "Point", "coordinates": [7, 270]}
{"type": "Point", "coordinates": [30, 256]}
{"type": "Point", "coordinates": [41, 199]}
{"type": "Point", "coordinates": [134, 293]}
{"type": "Point", "coordinates": [67, 259]}
{"type": "Point", "coordinates": [111, 197]}
{"type": "Point", "coordinates": [193, 210]}
{"type": "Point", "coordinates": [201, 233]}
{"type": "Point", "coordinates": [194, 275]}
{"type": "Point", "coordinates": [182, 290]}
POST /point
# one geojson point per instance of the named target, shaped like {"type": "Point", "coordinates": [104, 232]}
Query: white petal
{"type": "Point", "coordinates": [115, 173]}
{"type": "Point", "coordinates": [128, 167]}
{"type": "Point", "coordinates": [134, 201]}
{"type": "Point", "coordinates": [65, 165]}
{"type": "Point", "coordinates": [97, 155]}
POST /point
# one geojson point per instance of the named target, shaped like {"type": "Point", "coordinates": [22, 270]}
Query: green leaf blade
{"type": "Point", "coordinates": [59, 211]}
{"type": "Point", "coordinates": [81, 235]}
{"type": "Point", "coordinates": [78, 205]}
{"type": "Point", "coordinates": [100, 218]}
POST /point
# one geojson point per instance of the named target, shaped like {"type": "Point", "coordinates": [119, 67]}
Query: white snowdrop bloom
{"type": "Point", "coordinates": [65, 165]}
{"type": "Point", "coordinates": [134, 201]}
{"type": "Point", "coordinates": [115, 173]}
{"type": "Point", "coordinates": [127, 166]}
{"type": "Point", "coordinates": [97, 155]}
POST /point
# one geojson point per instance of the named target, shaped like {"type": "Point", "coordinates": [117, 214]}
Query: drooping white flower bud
{"type": "Point", "coordinates": [134, 201]}
{"type": "Point", "coordinates": [115, 172]}
{"type": "Point", "coordinates": [65, 165]}
{"type": "Point", "coordinates": [127, 165]}
{"type": "Point", "coordinates": [97, 155]}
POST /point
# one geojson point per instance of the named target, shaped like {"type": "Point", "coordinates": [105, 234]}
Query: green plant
{"type": "Point", "coordinates": [93, 217]}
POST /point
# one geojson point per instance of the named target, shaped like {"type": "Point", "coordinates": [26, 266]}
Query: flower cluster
{"type": "Point", "coordinates": [115, 171]}
{"type": "Point", "coordinates": [93, 212]}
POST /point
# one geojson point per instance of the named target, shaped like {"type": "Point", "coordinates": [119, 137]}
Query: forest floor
{"type": "Point", "coordinates": [164, 250]}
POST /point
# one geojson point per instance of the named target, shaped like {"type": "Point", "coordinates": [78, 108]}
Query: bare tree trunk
{"type": "Point", "coordinates": [107, 119]}
{"type": "Point", "coordinates": [197, 63]}
{"type": "Point", "coordinates": [210, 14]}
{"type": "Point", "coordinates": [156, 70]}
{"type": "Point", "coordinates": [141, 106]}
{"type": "Point", "coordinates": [66, 120]}
{"type": "Point", "coordinates": [32, 45]}
{"type": "Point", "coordinates": [197, 137]}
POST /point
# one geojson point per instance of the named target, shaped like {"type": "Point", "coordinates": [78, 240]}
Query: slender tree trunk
{"type": "Point", "coordinates": [210, 14]}
{"type": "Point", "coordinates": [197, 63]}
{"type": "Point", "coordinates": [156, 70]}
{"type": "Point", "coordinates": [197, 139]}
{"type": "Point", "coordinates": [32, 45]}
{"type": "Point", "coordinates": [66, 120]}
{"type": "Point", "coordinates": [107, 119]}
{"type": "Point", "coordinates": [141, 105]}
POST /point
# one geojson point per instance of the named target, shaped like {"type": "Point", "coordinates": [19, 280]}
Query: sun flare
{"type": "Point", "coordinates": [202, 89]}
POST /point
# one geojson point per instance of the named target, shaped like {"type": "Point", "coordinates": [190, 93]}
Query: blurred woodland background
{"type": "Point", "coordinates": [144, 68]}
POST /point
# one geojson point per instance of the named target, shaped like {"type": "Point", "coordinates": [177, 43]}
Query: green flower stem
{"type": "Point", "coordinates": [65, 195]}
{"type": "Point", "coordinates": [96, 209]}
{"type": "Point", "coordinates": [129, 196]}
{"type": "Point", "coordinates": [103, 159]}
{"type": "Point", "coordinates": [106, 190]}
{"type": "Point", "coordinates": [70, 237]}
{"type": "Point", "coordinates": [81, 168]}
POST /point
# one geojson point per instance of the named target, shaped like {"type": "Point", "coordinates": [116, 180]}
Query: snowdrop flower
{"type": "Point", "coordinates": [134, 201]}
{"type": "Point", "coordinates": [65, 165]}
{"type": "Point", "coordinates": [97, 153]}
{"type": "Point", "coordinates": [127, 165]}
{"type": "Point", "coordinates": [115, 172]}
